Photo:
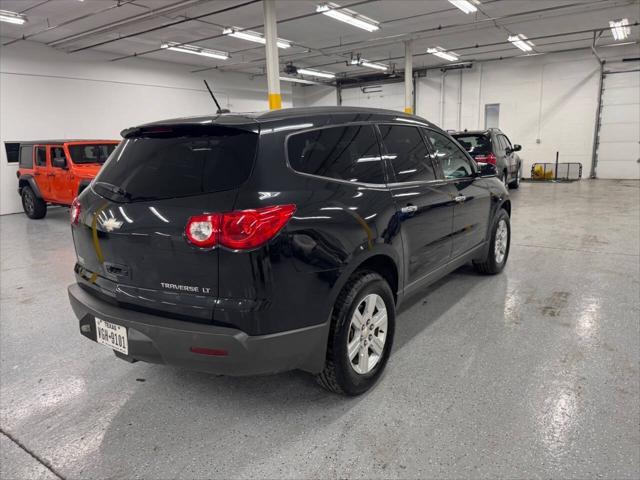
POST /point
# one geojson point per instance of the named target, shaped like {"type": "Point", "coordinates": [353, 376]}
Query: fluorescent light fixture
{"type": "Point", "coordinates": [253, 36]}
{"type": "Point", "coordinates": [195, 50]}
{"type": "Point", "coordinates": [345, 15]}
{"type": "Point", "coordinates": [316, 73]}
{"type": "Point", "coordinates": [12, 17]}
{"type": "Point", "coordinates": [465, 5]}
{"type": "Point", "coordinates": [298, 80]}
{"type": "Point", "coordinates": [618, 44]}
{"type": "Point", "coordinates": [521, 42]}
{"type": "Point", "coordinates": [361, 62]}
{"type": "Point", "coordinates": [442, 53]}
{"type": "Point", "coordinates": [620, 28]}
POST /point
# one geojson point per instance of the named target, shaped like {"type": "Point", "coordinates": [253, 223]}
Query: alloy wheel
{"type": "Point", "coordinates": [501, 241]}
{"type": "Point", "coordinates": [367, 334]}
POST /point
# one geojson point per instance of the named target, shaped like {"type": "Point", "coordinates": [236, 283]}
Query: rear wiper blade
{"type": "Point", "coordinates": [113, 189]}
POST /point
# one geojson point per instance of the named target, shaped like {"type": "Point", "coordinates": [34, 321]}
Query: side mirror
{"type": "Point", "coordinates": [59, 162]}
{"type": "Point", "coordinates": [517, 148]}
{"type": "Point", "coordinates": [487, 170]}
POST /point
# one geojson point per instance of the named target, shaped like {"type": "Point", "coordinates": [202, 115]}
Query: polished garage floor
{"type": "Point", "coordinates": [532, 373]}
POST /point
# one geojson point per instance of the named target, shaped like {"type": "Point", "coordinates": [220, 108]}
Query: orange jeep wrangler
{"type": "Point", "coordinates": [56, 171]}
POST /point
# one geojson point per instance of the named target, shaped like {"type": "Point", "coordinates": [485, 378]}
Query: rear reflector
{"type": "Point", "coordinates": [214, 352]}
{"type": "Point", "coordinates": [238, 230]}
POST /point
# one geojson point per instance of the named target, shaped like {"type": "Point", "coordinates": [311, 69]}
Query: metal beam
{"type": "Point", "coordinates": [271, 49]}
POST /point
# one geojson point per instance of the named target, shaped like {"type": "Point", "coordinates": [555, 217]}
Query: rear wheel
{"type": "Point", "coordinates": [498, 252]}
{"type": "Point", "coordinates": [361, 335]}
{"type": "Point", "coordinates": [515, 183]}
{"type": "Point", "coordinates": [32, 205]}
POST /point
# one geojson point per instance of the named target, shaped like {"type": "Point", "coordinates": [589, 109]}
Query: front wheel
{"type": "Point", "coordinates": [33, 206]}
{"type": "Point", "coordinates": [361, 335]}
{"type": "Point", "coordinates": [498, 252]}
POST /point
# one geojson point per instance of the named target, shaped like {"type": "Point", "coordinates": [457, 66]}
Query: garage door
{"type": "Point", "coordinates": [619, 138]}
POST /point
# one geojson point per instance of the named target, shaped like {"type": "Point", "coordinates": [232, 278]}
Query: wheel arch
{"type": "Point", "coordinates": [28, 180]}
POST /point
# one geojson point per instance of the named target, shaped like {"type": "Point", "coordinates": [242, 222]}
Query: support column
{"type": "Point", "coordinates": [271, 47]}
{"type": "Point", "coordinates": [408, 76]}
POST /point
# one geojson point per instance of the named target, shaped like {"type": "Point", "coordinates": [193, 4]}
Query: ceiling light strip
{"type": "Point", "coordinates": [195, 50]}
{"type": "Point", "coordinates": [620, 29]}
{"type": "Point", "coordinates": [315, 73]}
{"type": "Point", "coordinates": [251, 36]}
{"type": "Point", "coordinates": [521, 42]}
{"type": "Point", "coordinates": [442, 53]}
{"type": "Point", "coordinates": [464, 5]}
{"type": "Point", "coordinates": [361, 62]}
{"type": "Point", "coordinates": [8, 16]}
{"type": "Point", "coordinates": [350, 17]}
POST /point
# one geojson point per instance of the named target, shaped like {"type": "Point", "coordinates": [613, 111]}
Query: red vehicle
{"type": "Point", "coordinates": [56, 171]}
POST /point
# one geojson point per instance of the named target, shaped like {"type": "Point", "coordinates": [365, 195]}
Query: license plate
{"type": "Point", "coordinates": [112, 335]}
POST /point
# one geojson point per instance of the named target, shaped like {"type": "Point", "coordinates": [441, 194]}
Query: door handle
{"type": "Point", "coordinates": [409, 209]}
{"type": "Point", "coordinates": [51, 174]}
{"type": "Point", "coordinates": [460, 198]}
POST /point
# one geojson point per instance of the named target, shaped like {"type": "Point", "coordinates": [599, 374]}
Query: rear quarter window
{"type": "Point", "coordinates": [26, 156]}
{"type": "Point", "coordinates": [349, 153]}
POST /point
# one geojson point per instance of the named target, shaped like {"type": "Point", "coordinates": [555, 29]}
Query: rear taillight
{"type": "Point", "coordinates": [238, 230]}
{"type": "Point", "coordinates": [491, 158]}
{"type": "Point", "coordinates": [74, 211]}
{"type": "Point", "coordinates": [202, 230]}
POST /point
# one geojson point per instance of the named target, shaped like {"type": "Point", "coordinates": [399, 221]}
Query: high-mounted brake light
{"type": "Point", "coordinates": [238, 230]}
{"type": "Point", "coordinates": [491, 158]}
{"type": "Point", "coordinates": [74, 211]}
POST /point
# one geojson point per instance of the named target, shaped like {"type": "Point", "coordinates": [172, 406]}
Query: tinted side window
{"type": "Point", "coordinates": [455, 163]}
{"type": "Point", "coordinates": [57, 152]}
{"type": "Point", "coordinates": [41, 157]}
{"type": "Point", "coordinates": [26, 157]}
{"type": "Point", "coordinates": [13, 151]}
{"type": "Point", "coordinates": [506, 141]}
{"type": "Point", "coordinates": [344, 153]}
{"type": "Point", "coordinates": [407, 153]}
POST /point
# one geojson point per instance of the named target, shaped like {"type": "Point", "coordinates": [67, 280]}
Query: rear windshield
{"type": "Point", "coordinates": [152, 167]}
{"type": "Point", "coordinates": [475, 144]}
{"type": "Point", "coordinates": [91, 153]}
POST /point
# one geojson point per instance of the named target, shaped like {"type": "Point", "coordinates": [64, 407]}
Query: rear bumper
{"type": "Point", "coordinates": [163, 340]}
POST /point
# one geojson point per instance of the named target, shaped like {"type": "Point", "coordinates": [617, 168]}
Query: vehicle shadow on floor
{"type": "Point", "coordinates": [186, 414]}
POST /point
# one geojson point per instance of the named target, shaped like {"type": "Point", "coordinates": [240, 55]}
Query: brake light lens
{"type": "Point", "coordinates": [491, 158]}
{"type": "Point", "coordinates": [74, 211]}
{"type": "Point", "coordinates": [238, 230]}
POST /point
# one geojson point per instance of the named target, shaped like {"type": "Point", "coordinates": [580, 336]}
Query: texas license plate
{"type": "Point", "coordinates": [112, 335]}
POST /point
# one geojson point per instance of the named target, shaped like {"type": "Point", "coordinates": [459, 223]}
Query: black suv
{"type": "Point", "coordinates": [256, 243]}
{"type": "Point", "coordinates": [492, 146]}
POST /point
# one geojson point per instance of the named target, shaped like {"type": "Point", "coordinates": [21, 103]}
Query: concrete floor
{"type": "Point", "coordinates": [532, 373]}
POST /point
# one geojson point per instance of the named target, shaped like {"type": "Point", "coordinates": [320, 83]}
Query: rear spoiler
{"type": "Point", "coordinates": [207, 127]}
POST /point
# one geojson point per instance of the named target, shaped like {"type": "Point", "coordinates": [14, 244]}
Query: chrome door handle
{"type": "Point", "coordinates": [409, 209]}
{"type": "Point", "coordinates": [460, 198]}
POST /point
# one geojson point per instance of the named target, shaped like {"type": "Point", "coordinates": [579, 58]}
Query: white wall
{"type": "Point", "coordinates": [314, 96]}
{"type": "Point", "coordinates": [547, 102]}
{"type": "Point", "coordinates": [45, 93]}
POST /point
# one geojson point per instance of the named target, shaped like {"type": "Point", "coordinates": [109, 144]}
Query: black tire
{"type": "Point", "coordinates": [338, 375]}
{"type": "Point", "coordinates": [515, 183]}
{"type": "Point", "coordinates": [34, 207]}
{"type": "Point", "coordinates": [490, 266]}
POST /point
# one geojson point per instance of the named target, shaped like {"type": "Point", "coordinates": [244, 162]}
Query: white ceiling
{"type": "Point", "coordinates": [319, 41]}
